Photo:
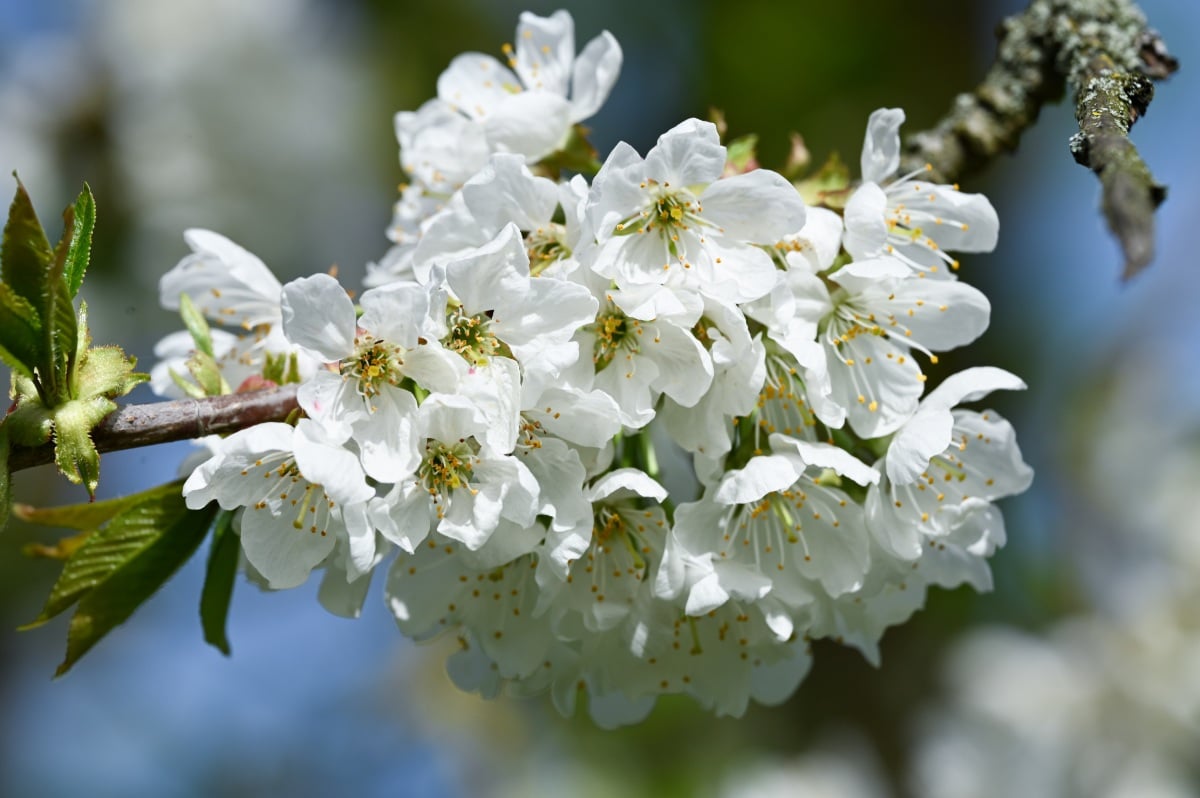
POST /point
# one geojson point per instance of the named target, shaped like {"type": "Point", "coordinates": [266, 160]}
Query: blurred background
{"type": "Point", "coordinates": [271, 122]}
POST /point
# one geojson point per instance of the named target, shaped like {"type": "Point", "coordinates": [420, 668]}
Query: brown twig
{"type": "Point", "coordinates": [1101, 49]}
{"type": "Point", "coordinates": [183, 419]}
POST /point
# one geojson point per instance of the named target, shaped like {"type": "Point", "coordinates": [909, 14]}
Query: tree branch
{"type": "Point", "coordinates": [1104, 51]}
{"type": "Point", "coordinates": [183, 419]}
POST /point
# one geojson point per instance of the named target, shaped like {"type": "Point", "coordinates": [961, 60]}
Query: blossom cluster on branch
{"type": "Point", "coordinates": [494, 414]}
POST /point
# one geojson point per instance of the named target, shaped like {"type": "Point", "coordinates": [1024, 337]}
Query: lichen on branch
{"type": "Point", "coordinates": [1104, 51]}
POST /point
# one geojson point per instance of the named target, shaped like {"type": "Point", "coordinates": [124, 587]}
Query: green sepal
{"type": "Point", "coordinates": [122, 565]}
{"type": "Point", "coordinates": [830, 186]}
{"type": "Point", "coordinates": [79, 220]}
{"type": "Point", "coordinates": [577, 155]}
{"type": "Point", "coordinates": [190, 388]}
{"type": "Point", "coordinates": [20, 332]}
{"type": "Point", "coordinates": [24, 252]}
{"type": "Point", "coordinates": [218, 582]}
{"type": "Point", "coordinates": [74, 452]}
{"type": "Point", "coordinates": [196, 325]}
{"type": "Point", "coordinates": [107, 371]}
{"type": "Point", "coordinates": [30, 423]}
{"type": "Point", "coordinates": [207, 374]}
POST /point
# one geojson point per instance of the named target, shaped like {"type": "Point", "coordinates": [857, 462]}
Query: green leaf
{"type": "Point", "coordinates": [123, 564]}
{"type": "Point", "coordinates": [107, 550]}
{"type": "Point", "coordinates": [74, 453]}
{"type": "Point", "coordinates": [86, 516]}
{"type": "Point", "coordinates": [20, 332]}
{"type": "Point", "coordinates": [218, 582]}
{"type": "Point", "coordinates": [60, 333]}
{"type": "Point", "coordinates": [173, 533]}
{"type": "Point", "coordinates": [30, 424]}
{"type": "Point", "coordinates": [24, 252]}
{"type": "Point", "coordinates": [196, 324]}
{"type": "Point", "coordinates": [81, 220]}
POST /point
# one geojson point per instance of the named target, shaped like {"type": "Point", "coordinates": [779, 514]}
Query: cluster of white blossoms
{"type": "Point", "coordinates": [487, 414]}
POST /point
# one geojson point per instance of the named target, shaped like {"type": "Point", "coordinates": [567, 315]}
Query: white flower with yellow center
{"type": "Point", "coordinates": [943, 470]}
{"type": "Point", "coordinates": [880, 313]}
{"type": "Point", "coordinates": [379, 360]}
{"type": "Point", "coordinates": [529, 106]}
{"type": "Point", "coordinates": [770, 532]}
{"type": "Point", "coordinates": [673, 220]}
{"type": "Point", "coordinates": [301, 492]}
{"type": "Point", "coordinates": [462, 488]}
{"type": "Point", "coordinates": [914, 220]}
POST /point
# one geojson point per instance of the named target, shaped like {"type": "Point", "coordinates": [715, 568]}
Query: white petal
{"type": "Point", "coordinates": [506, 191]}
{"type": "Point", "coordinates": [760, 476]}
{"type": "Point", "coordinates": [544, 52]}
{"type": "Point", "coordinates": [329, 465]}
{"type": "Point", "coordinates": [972, 385]}
{"type": "Point", "coordinates": [280, 552]}
{"type": "Point", "coordinates": [387, 436]}
{"type": "Point", "coordinates": [532, 123]}
{"type": "Point", "coordinates": [593, 75]}
{"type": "Point", "coordinates": [824, 455]}
{"type": "Point", "coordinates": [924, 435]}
{"type": "Point", "coordinates": [496, 271]}
{"type": "Point", "coordinates": [319, 316]}
{"type": "Point", "coordinates": [759, 207]}
{"type": "Point", "coordinates": [689, 154]}
{"type": "Point", "coordinates": [475, 84]}
{"type": "Point", "coordinates": [881, 147]}
{"type": "Point", "coordinates": [395, 313]}
{"type": "Point", "coordinates": [625, 483]}
{"type": "Point", "coordinates": [866, 222]}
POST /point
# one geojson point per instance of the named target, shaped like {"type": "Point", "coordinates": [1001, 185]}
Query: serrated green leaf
{"type": "Point", "coordinates": [74, 453]}
{"type": "Point", "coordinates": [196, 324]}
{"type": "Point", "coordinates": [60, 334]}
{"type": "Point", "coordinates": [20, 332]}
{"type": "Point", "coordinates": [86, 516]}
{"type": "Point", "coordinates": [108, 549]}
{"type": "Point", "coordinates": [82, 223]}
{"type": "Point", "coordinates": [124, 564]}
{"type": "Point", "coordinates": [24, 252]}
{"type": "Point", "coordinates": [218, 582]}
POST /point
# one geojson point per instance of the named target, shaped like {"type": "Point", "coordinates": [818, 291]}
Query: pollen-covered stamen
{"type": "Point", "coordinates": [286, 491]}
{"type": "Point", "coordinates": [763, 532]}
{"type": "Point", "coordinates": [472, 338]}
{"type": "Point", "coordinates": [668, 212]}
{"type": "Point", "coordinates": [615, 333]}
{"type": "Point", "coordinates": [447, 467]}
{"type": "Point", "coordinates": [782, 399]}
{"type": "Point", "coordinates": [374, 364]}
{"type": "Point", "coordinates": [908, 222]}
{"type": "Point", "coordinates": [546, 246]}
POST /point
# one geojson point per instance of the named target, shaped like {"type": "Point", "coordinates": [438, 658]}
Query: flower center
{"type": "Point", "coordinates": [546, 247]}
{"type": "Point", "coordinates": [472, 337]}
{"type": "Point", "coordinates": [374, 364]}
{"type": "Point", "coordinates": [447, 467]}
{"type": "Point", "coordinates": [614, 332]}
